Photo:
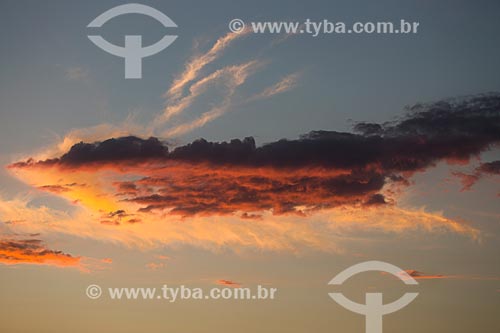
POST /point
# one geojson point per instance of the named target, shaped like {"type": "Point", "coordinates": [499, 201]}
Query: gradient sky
{"type": "Point", "coordinates": [58, 89]}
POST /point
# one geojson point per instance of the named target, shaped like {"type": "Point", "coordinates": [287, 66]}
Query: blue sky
{"type": "Point", "coordinates": [345, 77]}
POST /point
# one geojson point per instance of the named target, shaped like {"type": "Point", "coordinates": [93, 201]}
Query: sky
{"type": "Point", "coordinates": [246, 159]}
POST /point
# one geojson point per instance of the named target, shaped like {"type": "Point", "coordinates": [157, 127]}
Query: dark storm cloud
{"type": "Point", "coordinates": [430, 132]}
{"type": "Point", "coordinates": [129, 148]}
{"type": "Point", "coordinates": [124, 148]}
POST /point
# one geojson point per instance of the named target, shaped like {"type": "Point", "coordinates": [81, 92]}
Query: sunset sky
{"type": "Point", "coordinates": [244, 159]}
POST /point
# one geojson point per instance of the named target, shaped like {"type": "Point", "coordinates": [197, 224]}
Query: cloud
{"type": "Point", "coordinates": [320, 170]}
{"type": "Point", "coordinates": [200, 121]}
{"type": "Point", "coordinates": [287, 83]}
{"type": "Point", "coordinates": [53, 188]}
{"type": "Point", "coordinates": [128, 148]}
{"type": "Point", "coordinates": [99, 132]}
{"type": "Point", "coordinates": [328, 230]}
{"type": "Point", "coordinates": [492, 168]}
{"type": "Point", "coordinates": [231, 77]}
{"type": "Point", "coordinates": [222, 82]}
{"type": "Point", "coordinates": [19, 245]}
{"type": "Point", "coordinates": [225, 80]}
{"type": "Point", "coordinates": [237, 194]}
{"type": "Point", "coordinates": [33, 252]}
{"type": "Point", "coordinates": [194, 66]}
{"type": "Point", "coordinates": [162, 257]}
{"type": "Point", "coordinates": [422, 276]}
{"type": "Point", "coordinates": [485, 169]}
{"type": "Point", "coordinates": [228, 283]}
{"type": "Point", "coordinates": [417, 275]}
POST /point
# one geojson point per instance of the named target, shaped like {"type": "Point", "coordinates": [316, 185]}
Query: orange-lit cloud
{"type": "Point", "coordinates": [326, 230]}
{"type": "Point", "coordinates": [422, 276]}
{"type": "Point", "coordinates": [228, 283]}
{"type": "Point", "coordinates": [417, 275]}
{"type": "Point", "coordinates": [162, 257]}
{"type": "Point", "coordinates": [219, 194]}
{"type": "Point", "coordinates": [33, 252]}
{"type": "Point", "coordinates": [320, 170]}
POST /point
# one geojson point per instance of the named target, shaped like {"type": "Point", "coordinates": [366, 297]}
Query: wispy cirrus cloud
{"type": "Point", "coordinates": [194, 66]}
{"type": "Point", "coordinates": [287, 83]}
{"type": "Point", "coordinates": [190, 85]}
{"type": "Point", "coordinates": [230, 78]}
{"type": "Point", "coordinates": [326, 230]}
{"type": "Point", "coordinates": [177, 99]}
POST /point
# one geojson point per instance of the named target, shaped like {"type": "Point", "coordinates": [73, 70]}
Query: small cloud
{"type": "Point", "coordinates": [469, 180]}
{"type": "Point", "coordinates": [417, 275]}
{"type": "Point", "coordinates": [162, 257]}
{"type": "Point", "coordinates": [32, 251]}
{"type": "Point", "coordinates": [287, 83]}
{"type": "Point", "coordinates": [110, 222]}
{"type": "Point", "coordinates": [249, 216]}
{"type": "Point", "coordinates": [53, 188]}
{"type": "Point", "coordinates": [228, 283]}
{"type": "Point", "coordinates": [422, 276]}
